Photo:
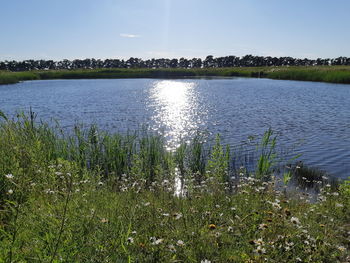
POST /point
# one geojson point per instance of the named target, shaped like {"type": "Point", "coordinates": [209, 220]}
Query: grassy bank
{"type": "Point", "coordinates": [333, 74]}
{"type": "Point", "coordinates": [97, 197]}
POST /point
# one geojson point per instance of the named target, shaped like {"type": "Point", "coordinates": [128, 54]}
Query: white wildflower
{"type": "Point", "coordinates": [9, 176]}
{"type": "Point", "coordinates": [130, 240]}
{"type": "Point", "coordinates": [260, 250]}
{"type": "Point", "coordinates": [177, 216]}
{"type": "Point", "coordinates": [157, 241]}
{"type": "Point", "coordinates": [341, 248]}
{"type": "Point", "coordinates": [172, 248]}
{"type": "Point", "coordinates": [180, 243]}
{"type": "Point", "coordinates": [295, 220]}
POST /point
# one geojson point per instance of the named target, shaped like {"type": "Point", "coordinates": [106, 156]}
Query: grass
{"type": "Point", "coordinates": [90, 196]}
{"type": "Point", "coordinates": [333, 74]}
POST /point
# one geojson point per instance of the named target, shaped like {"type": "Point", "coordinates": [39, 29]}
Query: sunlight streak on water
{"type": "Point", "coordinates": [176, 109]}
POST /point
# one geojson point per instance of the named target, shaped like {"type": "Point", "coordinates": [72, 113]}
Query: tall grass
{"type": "Point", "coordinates": [90, 196]}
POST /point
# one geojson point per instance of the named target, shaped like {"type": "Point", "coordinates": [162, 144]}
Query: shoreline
{"type": "Point", "coordinates": [328, 74]}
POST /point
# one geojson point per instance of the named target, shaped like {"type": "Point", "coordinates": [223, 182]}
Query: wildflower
{"type": "Point", "coordinates": [157, 241]}
{"type": "Point", "coordinates": [172, 248]}
{"type": "Point", "coordinates": [212, 226]}
{"type": "Point", "coordinates": [322, 198]}
{"type": "Point", "coordinates": [260, 250]}
{"type": "Point", "coordinates": [276, 205]}
{"type": "Point", "coordinates": [180, 243]}
{"type": "Point", "coordinates": [9, 176]}
{"type": "Point", "coordinates": [104, 220]}
{"type": "Point", "coordinates": [263, 226]}
{"type": "Point", "coordinates": [142, 245]}
{"type": "Point", "coordinates": [217, 234]}
{"type": "Point", "coordinates": [10, 192]}
{"type": "Point", "coordinates": [259, 241]}
{"type": "Point", "coordinates": [177, 216]}
{"type": "Point", "coordinates": [295, 220]}
{"type": "Point", "coordinates": [290, 244]}
{"type": "Point", "coordinates": [130, 240]}
{"type": "Point", "coordinates": [230, 229]}
{"type": "Point", "coordinates": [341, 248]}
{"type": "Point", "coordinates": [100, 183]}
{"type": "Point", "coordinates": [165, 182]}
{"type": "Point", "coordinates": [287, 212]}
{"type": "Point", "coordinates": [322, 225]}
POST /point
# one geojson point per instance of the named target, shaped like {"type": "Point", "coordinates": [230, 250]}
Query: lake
{"type": "Point", "coordinates": [310, 118]}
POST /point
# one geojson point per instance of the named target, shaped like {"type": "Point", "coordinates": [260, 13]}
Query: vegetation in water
{"type": "Point", "coordinates": [90, 196]}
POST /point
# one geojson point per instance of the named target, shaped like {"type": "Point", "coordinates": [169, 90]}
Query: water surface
{"type": "Point", "coordinates": [311, 118]}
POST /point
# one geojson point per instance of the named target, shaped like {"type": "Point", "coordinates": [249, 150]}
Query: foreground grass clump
{"type": "Point", "coordinates": [62, 202]}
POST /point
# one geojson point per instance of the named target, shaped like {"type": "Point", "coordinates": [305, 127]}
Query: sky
{"type": "Point", "coordinates": [78, 29]}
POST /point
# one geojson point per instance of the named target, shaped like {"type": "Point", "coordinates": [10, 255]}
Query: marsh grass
{"type": "Point", "coordinates": [90, 196]}
{"type": "Point", "coordinates": [333, 74]}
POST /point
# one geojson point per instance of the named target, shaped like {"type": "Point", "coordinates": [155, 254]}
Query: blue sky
{"type": "Point", "coordinates": [58, 29]}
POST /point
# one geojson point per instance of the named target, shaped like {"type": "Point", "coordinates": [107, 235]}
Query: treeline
{"type": "Point", "coordinates": [208, 62]}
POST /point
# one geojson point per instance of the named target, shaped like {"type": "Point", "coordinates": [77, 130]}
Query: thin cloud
{"type": "Point", "coordinates": [129, 35]}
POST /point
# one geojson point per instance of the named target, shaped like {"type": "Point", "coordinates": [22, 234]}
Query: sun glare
{"type": "Point", "coordinates": [175, 104]}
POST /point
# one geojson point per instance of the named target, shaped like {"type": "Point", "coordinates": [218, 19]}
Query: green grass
{"type": "Point", "coordinates": [90, 196]}
{"type": "Point", "coordinates": [333, 74]}
{"type": "Point", "coordinates": [14, 77]}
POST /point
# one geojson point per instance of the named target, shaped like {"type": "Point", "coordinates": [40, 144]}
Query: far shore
{"type": "Point", "coordinates": [331, 74]}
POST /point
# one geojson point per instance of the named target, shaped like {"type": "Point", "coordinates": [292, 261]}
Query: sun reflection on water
{"type": "Point", "coordinates": [176, 109]}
